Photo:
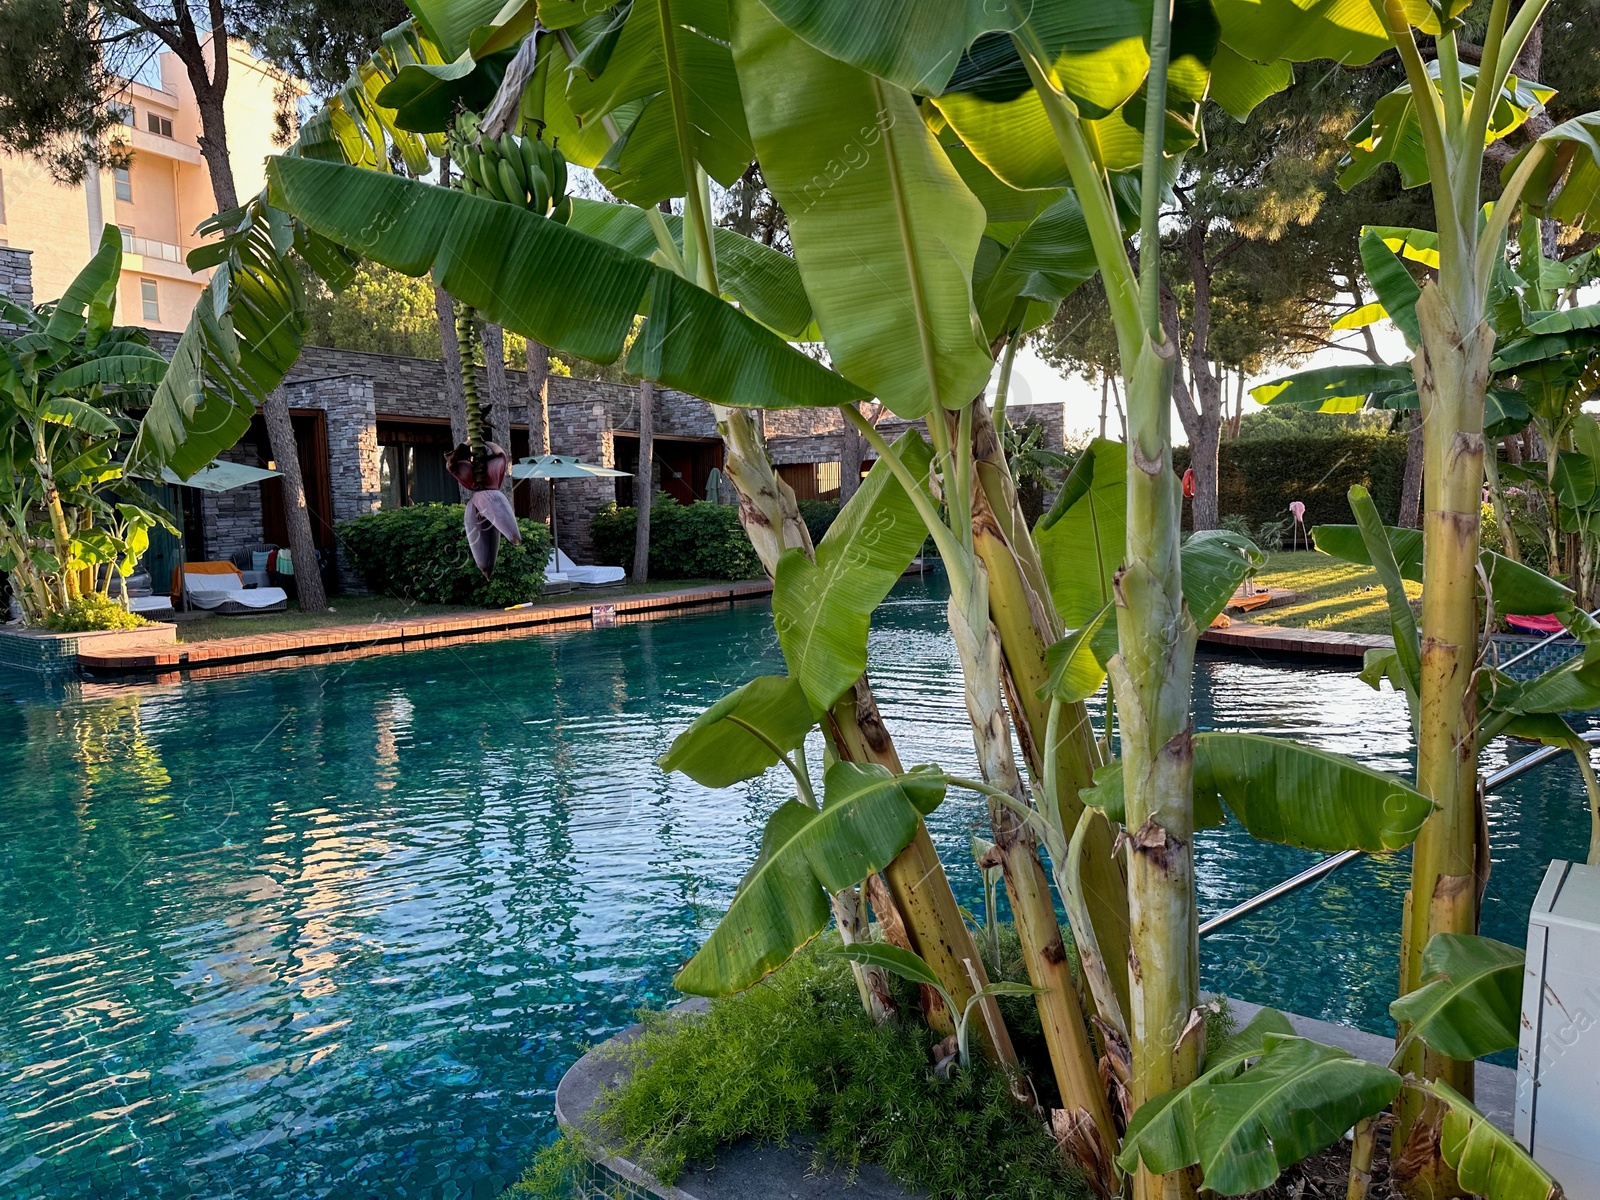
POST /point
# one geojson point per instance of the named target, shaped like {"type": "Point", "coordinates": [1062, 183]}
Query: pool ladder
{"type": "Point", "coordinates": [1331, 864]}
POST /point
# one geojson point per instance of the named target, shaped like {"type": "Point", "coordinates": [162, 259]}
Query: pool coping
{"type": "Point", "coordinates": [750, 1170]}
{"type": "Point", "coordinates": [372, 637]}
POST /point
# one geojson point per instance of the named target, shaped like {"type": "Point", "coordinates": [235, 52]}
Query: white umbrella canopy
{"type": "Point", "coordinates": [551, 467]}
{"type": "Point", "coordinates": [219, 476]}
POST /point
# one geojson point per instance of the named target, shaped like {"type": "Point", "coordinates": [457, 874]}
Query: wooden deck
{"type": "Point", "coordinates": [1275, 641]}
{"type": "Point", "coordinates": [375, 637]}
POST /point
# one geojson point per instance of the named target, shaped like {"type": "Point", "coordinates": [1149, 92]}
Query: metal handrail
{"type": "Point", "coordinates": [1331, 864]}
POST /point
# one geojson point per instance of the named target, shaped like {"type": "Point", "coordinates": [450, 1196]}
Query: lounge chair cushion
{"type": "Point", "coordinates": [220, 587]}
{"type": "Point", "coordinates": [586, 576]}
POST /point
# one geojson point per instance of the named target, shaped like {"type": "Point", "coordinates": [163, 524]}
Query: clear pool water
{"type": "Point", "coordinates": [336, 931]}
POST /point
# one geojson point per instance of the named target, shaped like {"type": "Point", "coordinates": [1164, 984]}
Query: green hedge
{"type": "Point", "coordinates": [1257, 479]}
{"type": "Point", "coordinates": [687, 541]}
{"type": "Point", "coordinates": [420, 553]}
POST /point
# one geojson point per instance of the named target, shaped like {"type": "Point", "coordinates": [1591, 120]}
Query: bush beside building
{"type": "Point", "coordinates": [420, 553]}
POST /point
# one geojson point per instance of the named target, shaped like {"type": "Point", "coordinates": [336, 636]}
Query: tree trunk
{"type": "Point", "coordinates": [1122, 413]}
{"type": "Point", "coordinates": [852, 453]}
{"type": "Point", "coordinates": [538, 423]}
{"type": "Point", "coordinates": [445, 309]}
{"type": "Point", "coordinates": [644, 481]}
{"type": "Point", "coordinates": [1105, 399]}
{"type": "Point", "coordinates": [1199, 401]}
{"type": "Point", "coordinates": [494, 372]}
{"type": "Point", "coordinates": [302, 549]}
{"type": "Point", "coordinates": [1411, 482]}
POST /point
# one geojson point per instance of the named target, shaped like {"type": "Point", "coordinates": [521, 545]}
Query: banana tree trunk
{"type": "Point", "coordinates": [1152, 678]}
{"type": "Point", "coordinates": [1020, 607]}
{"type": "Point", "coordinates": [1452, 369]}
{"type": "Point", "coordinates": [1072, 1057]}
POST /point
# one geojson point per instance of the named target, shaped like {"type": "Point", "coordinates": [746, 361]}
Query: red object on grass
{"type": "Point", "coordinates": [1546, 624]}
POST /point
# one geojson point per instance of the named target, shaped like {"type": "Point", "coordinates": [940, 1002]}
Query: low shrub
{"type": "Point", "coordinates": [92, 614]}
{"type": "Point", "coordinates": [420, 553]}
{"type": "Point", "coordinates": [796, 1055]}
{"type": "Point", "coordinates": [687, 541]}
{"type": "Point", "coordinates": [818, 516]}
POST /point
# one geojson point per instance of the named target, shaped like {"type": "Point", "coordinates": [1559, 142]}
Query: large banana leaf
{"type": "Point", "coordinates": [765, 282]}
{"type": "Point", "coordinates": [243, 337]}
{"type": "Point", "coordinates": [1339, 389]}
{"type": "Point", "coordinates": [1488, 1161]}
{"type": "Point", "coordinates": [1081, 538]}
{"type": "Point", "coordinates": [1573, 686]}
{"type": "Point", "coordinates": [1161, 1132]}
{"type": "Point", "coordinates": [1239, 84]}
{"type": "Point", "coordinates": [742, 735]}
{"type": "Point", "coordinates": [1298, 1098]}
{"type": "Point", "coordinates": [93, 292]}
{"type": "Point", "coordinates": [1565, 187]}
{"type": "Point", "coordinates": [883, 227]}
{"type": "Point", "coordinates": [1379, 546]}
{"type": "Point", "coordinates": [1397, 291]}
{"type": "Point", "coordinates": [1391, 132]}
{"type": "Point", "coordinates": [1284, 792]}
{"type": "Point", "coordinates": [450, 23]}
{"type": "Point", "coordinates": [867, 818]}
{"type": "Point", "coordinates": [1470, 1001]}
{"type": "Point", "coordinates": [822, 609]}
{"type": "Point", "coordinates": [1215, 563]}
{"type": "Point", "coordinates": [1302, 30]}
{"type": "Point", "coordinates": [634, 69]}
{"type": "Point", "coordinates": [1076, 671]}
{"type": "Point", "coordinates": [1046, 263]}
{"type": "Point", "coordinates": [558, 286]}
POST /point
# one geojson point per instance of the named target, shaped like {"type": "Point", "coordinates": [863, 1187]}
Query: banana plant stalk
{"type": "Point", "coordinates": [771, 517]}
{"type": "Point", "coordinates": [1452, 373]}
{"type": "Point", "coordinates": [1151, 675]}
{"type": "Point", "coordinates": [480, 465]}
{"type": "Point", "coordinates": [1072, 1056]}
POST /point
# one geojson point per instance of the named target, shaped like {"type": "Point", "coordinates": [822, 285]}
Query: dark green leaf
{"type": "Point", "coordinates": [740, 735]}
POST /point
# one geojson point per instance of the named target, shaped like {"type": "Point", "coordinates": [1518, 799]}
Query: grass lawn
{"type": "Point", "coordinates": [1331, 594]}
{"type": "Point", "coordinates": [358, 610]}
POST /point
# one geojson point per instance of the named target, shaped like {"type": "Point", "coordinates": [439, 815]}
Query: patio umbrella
{"type": "Point", "coordinates": [219, 476]}
{"type": "Point", "coordinates": [551, 467]}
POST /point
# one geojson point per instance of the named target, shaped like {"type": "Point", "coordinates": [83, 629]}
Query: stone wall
{"type": "Point", "coordinates": [16, 281]}
{"type": "Point", "coordinates": [352, 425]}
{"type": "Point", "coordinates": [232, 520]}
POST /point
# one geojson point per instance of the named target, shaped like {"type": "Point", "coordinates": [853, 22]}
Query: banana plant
{"type": "Point", "coordinates": [71, 385]}
{"type": "Point", "coordinates": [1504, 705]}
{"type": "Point", "coordinates": [903, 214]}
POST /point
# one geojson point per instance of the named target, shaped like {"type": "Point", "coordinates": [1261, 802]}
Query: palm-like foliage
{"type": "Point", "coordinates": [70, 385]}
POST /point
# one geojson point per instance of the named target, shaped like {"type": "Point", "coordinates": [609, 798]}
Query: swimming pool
{"type": "Point", "coordinates": [337, 930]}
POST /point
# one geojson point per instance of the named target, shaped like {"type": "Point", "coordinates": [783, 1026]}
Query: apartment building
{"type": "Point", "coordinates": [157, 200]}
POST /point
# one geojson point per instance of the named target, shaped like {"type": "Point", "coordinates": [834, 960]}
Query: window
{"type": "Point", "coordinates": [827, 478]}
{"type": "Point", "coordinates": [158, 124]}
{"type": "Point", "coordinates": [124, 184]}
{"type": "Point", "coordinates": [150, 299]}
{"type": "Point", "coordinates": [123, 113]}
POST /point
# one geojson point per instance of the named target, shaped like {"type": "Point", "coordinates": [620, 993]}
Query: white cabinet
{"type": "Point", "coordinates": [1558, 1060]}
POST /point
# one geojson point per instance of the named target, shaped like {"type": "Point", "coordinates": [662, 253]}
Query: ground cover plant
{"type": "Point", "coordinates": [687, 541]}
{"type": "Point", "coordinates": [947, 181]}
{"type": "Point", "coordinates": [421, 552]}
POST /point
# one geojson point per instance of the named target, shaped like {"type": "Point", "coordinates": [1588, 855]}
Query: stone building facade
{"type": "Point", "coordinates": [373, 429]}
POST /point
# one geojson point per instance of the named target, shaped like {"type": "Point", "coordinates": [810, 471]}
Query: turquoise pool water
{"type": "Point", "coordinates": [336, 931]}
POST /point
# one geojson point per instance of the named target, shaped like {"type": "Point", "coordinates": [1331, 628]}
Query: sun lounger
{"type": "Point", "coordinates": [220, 588]}
{"type": "Point", "coordinates": [151, 608]}
{"type": "Point", "coordinates": [560, 564]}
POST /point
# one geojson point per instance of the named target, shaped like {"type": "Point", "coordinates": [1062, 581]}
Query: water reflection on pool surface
{"type": "Point", "coordinates": [337, 930]}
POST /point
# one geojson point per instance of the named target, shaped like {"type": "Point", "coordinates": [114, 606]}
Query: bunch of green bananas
{"type": "Point", "coordinates": [515, 170]}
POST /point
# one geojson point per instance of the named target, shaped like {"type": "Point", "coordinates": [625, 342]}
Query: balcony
{"type": "Point", "coordinates": [150, 248]}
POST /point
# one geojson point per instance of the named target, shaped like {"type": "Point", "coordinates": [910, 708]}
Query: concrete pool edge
{"type": "Point", "coordinates": [763, 1170]}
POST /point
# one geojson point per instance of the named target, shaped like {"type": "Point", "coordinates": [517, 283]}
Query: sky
{"type": "Point", "coordinates": [1034, 381]}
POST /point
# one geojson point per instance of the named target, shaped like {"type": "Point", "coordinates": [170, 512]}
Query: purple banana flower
{"type": "Point", "coordinates": [489, 515]}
